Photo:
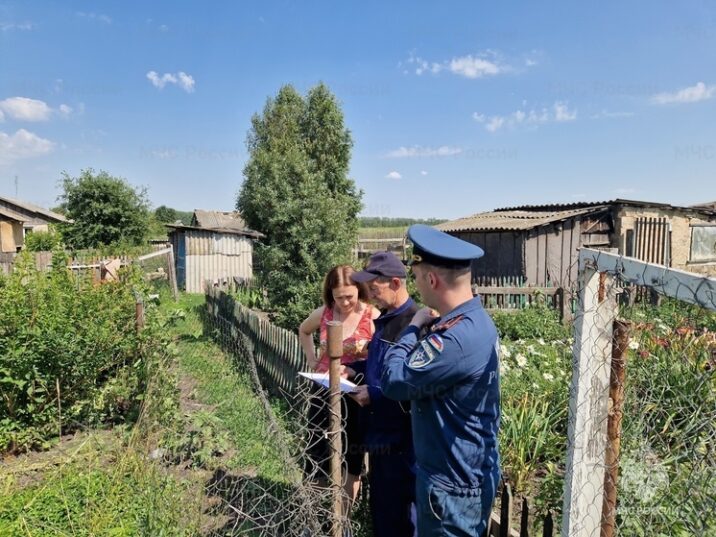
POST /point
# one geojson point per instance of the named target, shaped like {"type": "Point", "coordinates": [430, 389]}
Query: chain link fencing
{"type": "Point", "coordinates": [299, 504]}
{"type": "Point", "coordinates": [642, 427]}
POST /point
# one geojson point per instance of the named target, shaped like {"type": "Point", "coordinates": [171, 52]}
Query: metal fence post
{"type": "Point", "coordinates": [616, 396]}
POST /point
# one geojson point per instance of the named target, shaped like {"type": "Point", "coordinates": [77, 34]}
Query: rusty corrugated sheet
{"type": "Point", "coordinates": [218, 219]}
{"type": "Point", "coordinates": [513, 220]}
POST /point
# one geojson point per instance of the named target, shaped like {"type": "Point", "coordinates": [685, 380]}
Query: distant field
{"type": "Point", "coordinates": [382, 232]}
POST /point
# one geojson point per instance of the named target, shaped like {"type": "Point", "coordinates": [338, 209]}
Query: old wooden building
{"type": "Point", "coordinates": [540, 243]}
{"type": "Point", "coordinates": [217, 247]}
{"type": "Point", "coordinates": [18, 218]}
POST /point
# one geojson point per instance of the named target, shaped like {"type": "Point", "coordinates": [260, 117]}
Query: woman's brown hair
{"type": "Point", "coordinates": [340, 276]}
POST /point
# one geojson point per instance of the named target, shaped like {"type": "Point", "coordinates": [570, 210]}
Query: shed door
{"type": "Point", "coordinates": [181, 260]}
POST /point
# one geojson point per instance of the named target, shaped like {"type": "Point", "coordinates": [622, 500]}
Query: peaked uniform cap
{"type": "Point", "coordinates": [433, 246]}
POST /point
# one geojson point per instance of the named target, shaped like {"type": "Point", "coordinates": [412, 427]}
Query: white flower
{"type": "Point", "coordinates": [548, 376]}
{"type": "Point", "coordinates": [541, 341]}
{"type": "Point", "coordinates": [504, 368]}
{"type": "Point", "coordinates": [633, 345]}
{"type": "Point", "coordinates": [521, 360]}
{"type": "Point", "coordinates": [505, 351]}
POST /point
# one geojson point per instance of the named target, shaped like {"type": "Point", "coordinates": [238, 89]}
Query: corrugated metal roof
{"type": "Point", "coordinates": [7, 213]}
{"type": "Point", "coordinates": [514, 220]}
{"type": "Point", "coordinates": [218, 220]}
{"type": "Point", "coordinates": [34, 209]}
{"type": "Point", "coordinates": [585, 204]}
{"type": "Point", "coordinates": [244, 232]}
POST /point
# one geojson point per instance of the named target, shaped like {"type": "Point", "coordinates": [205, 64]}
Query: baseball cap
{"type": "Point", "coordinates": [381, 264]}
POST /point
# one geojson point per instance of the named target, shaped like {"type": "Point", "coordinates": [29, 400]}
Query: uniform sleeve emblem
{"type": "Point", "coordinates": [418, 358]}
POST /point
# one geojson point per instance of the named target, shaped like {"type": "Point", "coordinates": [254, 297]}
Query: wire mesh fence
{"type": "Point", "coordinates": [642, 426]}
{"type": "Point", "coordinates": [301, 502]}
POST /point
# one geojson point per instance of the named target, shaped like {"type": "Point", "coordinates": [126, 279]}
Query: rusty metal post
{"type": "Point", "coordinates": [620, 343]}
{"type": "Point", "coordinates": [335, 351]}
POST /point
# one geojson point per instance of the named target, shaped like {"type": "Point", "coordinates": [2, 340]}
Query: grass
{"type": "Point", "coordinates": [113, 483]}
{"type": "Point", "coordinates": [229, 397]}
{"type": "Point", "coordinates": [98, 489]}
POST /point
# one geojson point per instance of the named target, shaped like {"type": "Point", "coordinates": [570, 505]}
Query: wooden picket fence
{"type": "Point", "coordinates": [277, 352]}
{"type": "Point", "coordinates": [511, 293]}
{"type": "Point", "coordinates": [502, 521]}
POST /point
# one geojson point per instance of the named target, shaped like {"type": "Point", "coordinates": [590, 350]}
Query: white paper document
{"type": "Point", "coordinates": [322, 378]}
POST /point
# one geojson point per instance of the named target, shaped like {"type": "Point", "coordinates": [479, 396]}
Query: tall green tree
{"type": "Point", "coordinates": [104, 209]}
{"type": "Point", "coordinates": [297, 192]}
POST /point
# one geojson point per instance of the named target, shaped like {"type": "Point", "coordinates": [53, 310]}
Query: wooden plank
{"type": "Point", "coordinates": [524, 519]}
{"type": "Point", "coordinates": [531, 258]}
{"type": "Point", "coordinates": [506, 511]}
{"type": "Point", "coordinates": [548, 527]}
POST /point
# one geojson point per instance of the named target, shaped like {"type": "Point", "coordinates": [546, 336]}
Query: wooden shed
{"type": "Point", "coordinates": [18, 218]}
{"type": "Point", "coordinates": [540, 243]}
{"type": "Point", "coordinates": [217, 253]}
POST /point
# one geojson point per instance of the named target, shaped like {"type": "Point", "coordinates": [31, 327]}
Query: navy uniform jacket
{"type": "Point", "coordinates": [452, 377]}
{"type": "Point", "coordinates": [387, 422]}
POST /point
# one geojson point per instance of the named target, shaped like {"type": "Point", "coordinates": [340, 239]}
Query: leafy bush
{"type": "Point", "coordinates": [43, 241]}
{"type": "Point", "coordinates": [539, 321]}
{"type": "Point", "coordinates": [69, 352]}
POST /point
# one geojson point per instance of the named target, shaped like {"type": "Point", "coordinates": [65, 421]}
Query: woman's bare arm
{"type": "Point", "coordinates": [305, 336]}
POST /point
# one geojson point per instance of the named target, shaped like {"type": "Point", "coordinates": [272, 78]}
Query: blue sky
{"type": "Point", "coordinates": [454, 107]}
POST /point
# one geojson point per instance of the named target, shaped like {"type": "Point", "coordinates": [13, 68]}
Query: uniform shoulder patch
{"type": "Point", "coordinates": [436, 342]}
{"type": "Point", "coordinates": [425, 352]}
{"type": "Point", "coordinates": [418, 358]}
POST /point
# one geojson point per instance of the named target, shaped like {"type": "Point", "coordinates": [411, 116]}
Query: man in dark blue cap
{"type": "Point", "coordinates": [448, 367]}
{"type": "Point", "coordinates": [388, 436]}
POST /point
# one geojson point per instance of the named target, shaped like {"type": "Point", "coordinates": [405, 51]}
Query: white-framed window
{"type": "Point", "coordinates": [703, 244]}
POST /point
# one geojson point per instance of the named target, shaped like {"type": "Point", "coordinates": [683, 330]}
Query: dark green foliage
{"type": "Point", "coordinates": [43, 241]}
{"type": "Point", "coordinates": [167, 215]}
{"type": "Point", "coordinates": [105, 210]}
{"type": "Point", "coordinates": [540, 321]}
{"type": "Point", "coordinates": [298, 193]}
{"type": "Point", "coordinates": [61, 334]}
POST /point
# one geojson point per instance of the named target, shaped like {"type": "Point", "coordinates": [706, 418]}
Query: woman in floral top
{"type": "Point", "coordinates": [344, 301]}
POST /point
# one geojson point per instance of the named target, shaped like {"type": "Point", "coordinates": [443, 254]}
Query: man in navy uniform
{"type": "Point", "coordinates": [388, 436]}
{"type": "Point", "coordinates": [447, 366]}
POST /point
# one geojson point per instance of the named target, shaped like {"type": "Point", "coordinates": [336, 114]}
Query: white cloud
{"type": "Point", "coordinates": [163, 28]}
{"type": "Point", "coordinates": [64, 110]}
{"type": "Point", "coordinates": [183, 80]}
{"type": "Point", "coordinates": [495, 123]}
{"type": "Point", "coordinates": [418, 151]}
{"type": "Point", "coordinates": [9, 26]}
{"type": "Point", "coordinates": [25, 109]}
{"type": "Point", "coordinates": [612, 115]}
{"type": "Point", "coordinates": [22, 144]}
{"type": "Point", "coordinates": [469, 66]}
{"type": "Point", "coordinates": [559, 112]}
{"type": "Point", "coordinates": [186, 82]}
{"type": "Point", "coordinates": [474, 67]}
{"type": "Point", "coordinates": [423, 173]}
{"type": "Point", "coordinates": [393, 175]}
{"type": "Point", "coordinates": [562, 113]}
{"type": "Point", "coordinates": [692, 94]}
{"type": "Point", "coordinates": [94, 16]}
